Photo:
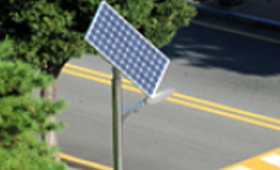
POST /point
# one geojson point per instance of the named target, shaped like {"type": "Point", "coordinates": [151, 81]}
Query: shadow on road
{"type": "Point", "coordinates": [209, 48]}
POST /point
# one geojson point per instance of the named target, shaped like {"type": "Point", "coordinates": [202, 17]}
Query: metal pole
{"type": "Point", "coordinates": [117, 120]}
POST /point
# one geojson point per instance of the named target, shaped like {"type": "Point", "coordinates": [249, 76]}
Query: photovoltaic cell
{"type": "Point", "coordinates": [126, 49]}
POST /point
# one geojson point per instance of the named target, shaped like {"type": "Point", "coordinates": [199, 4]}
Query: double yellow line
{"type": "Point", "coordinates": [177, 98]}
{"type": "Point", "coordinates": [181, 99]}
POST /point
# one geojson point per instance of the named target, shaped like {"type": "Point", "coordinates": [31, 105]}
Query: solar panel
{"type": "Point", "coordinates": [126, 49]}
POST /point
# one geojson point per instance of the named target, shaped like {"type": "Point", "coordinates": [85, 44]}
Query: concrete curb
{"type": "Point", "coordinates": [221, 13]}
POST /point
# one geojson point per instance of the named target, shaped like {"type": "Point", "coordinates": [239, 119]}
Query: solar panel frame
{"type": "Point", "coordinates": [89, 38]}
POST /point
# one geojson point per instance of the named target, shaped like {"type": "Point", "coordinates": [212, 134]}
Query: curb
{"type": "Point", "coordinates": [220, 13]}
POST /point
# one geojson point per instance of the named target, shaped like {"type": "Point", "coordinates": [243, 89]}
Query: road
{"type": "Point", "coordinates": [225, 109]}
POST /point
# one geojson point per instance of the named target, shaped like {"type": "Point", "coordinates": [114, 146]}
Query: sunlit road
{"type": "Point", "coordinates": [225, 109]}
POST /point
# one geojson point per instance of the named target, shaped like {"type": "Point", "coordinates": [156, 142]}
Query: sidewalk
{"type": "Point", "coordinates": [260, 12]}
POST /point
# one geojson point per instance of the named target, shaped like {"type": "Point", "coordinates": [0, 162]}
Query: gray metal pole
{"type": "Point", "coordinates": [117, 120]}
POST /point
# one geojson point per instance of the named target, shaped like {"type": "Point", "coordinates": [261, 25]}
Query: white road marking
{"type": "Point", "coordinates": [273, 159]}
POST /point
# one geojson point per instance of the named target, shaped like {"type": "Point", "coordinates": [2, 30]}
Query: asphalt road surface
{"type": "Point", "coordinates": [225, 109]}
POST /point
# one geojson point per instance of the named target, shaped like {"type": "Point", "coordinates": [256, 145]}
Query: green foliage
{"type": "Point", "coordinates": [18, 78]}
{"type": "Point", "coordinates": [23, 116]}
{"type": "Point", "coordinates": [41, 31]}
{"type": "Point", "coordinates": [29, 154]}
{"type": "Point", "coordinates": [158, 20]}
{"type": "Point", "coordinates": [25, 113]}
{"type": "Point", "coordinates": [53, 30]}
{"type": "Point", "coordinates": [6, 49]}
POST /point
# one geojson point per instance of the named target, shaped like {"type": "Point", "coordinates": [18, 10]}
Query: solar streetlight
{"type": "Point", "coordinates": [132, 55]}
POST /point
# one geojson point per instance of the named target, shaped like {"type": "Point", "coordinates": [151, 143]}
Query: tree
{"type": "Point", "coordinates": [23, 117]}
{"type": "Point", "coordinates": [50, 32]}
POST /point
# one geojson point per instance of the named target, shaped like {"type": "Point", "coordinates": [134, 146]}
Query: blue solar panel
{"type": "Point", "coordinates": [126, 49]}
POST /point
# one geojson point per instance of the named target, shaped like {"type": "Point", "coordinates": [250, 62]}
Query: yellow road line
{"type": "Point", "coordinates": [182, 96]}
{"type": "Point", "coordinates": [188, 104]}
{"type": "Point", "coordinates": [74, 73]}
{"type": "Point", "coordinates": [259, 162]}
{"type": "Point", "coordinates": [227, 108]}
{"type": "Point", "coordinates": [94, 72]}
{"type": "Point", "coordinates": [259, 37]}
{"type": "Point", "coordinates": [222, 113]}
{"type": "Point", "coordinates": [77, 74]}
{"type": "Point", "coordinates": [251, 163]}
{"type": "Point", "coordinates": [185, 103]}
{"type": "Point", "coordinates": [84, 162]}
